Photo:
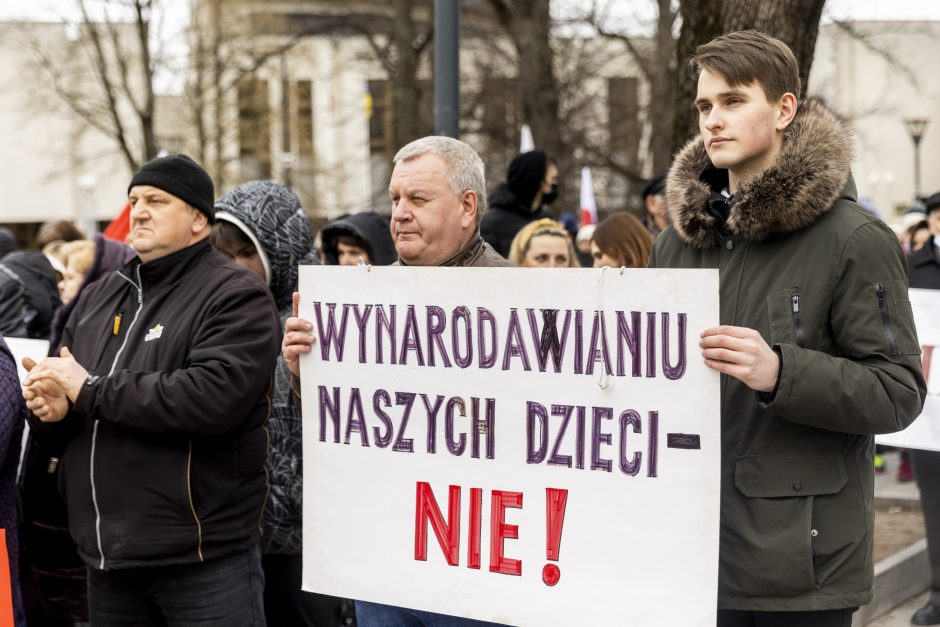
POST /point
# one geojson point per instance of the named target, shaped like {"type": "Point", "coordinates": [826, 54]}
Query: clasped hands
{"type": "Point", "coordinates": [52, 384]}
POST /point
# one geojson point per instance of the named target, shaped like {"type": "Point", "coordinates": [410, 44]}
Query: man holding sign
{"type": "Point", "coordinates": [438, 194]}
{"type": "Point", "coordinates": [817, 336]}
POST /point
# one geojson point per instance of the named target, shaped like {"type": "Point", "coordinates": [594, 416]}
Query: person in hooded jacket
{"type": "Point", "coordinates": [7, 242]}
{"type": "Point", "coordinates": [12, 419]}
{"type": "Point", "coordinates": [262, 227]}
{"type": "Point", "coordinates": [53, 573]}
{"type": "Point", "coordinates": [29, 294]}
{"type": "Point", "coordinates": [531, 183]}
{"type": "Point", "coordinates": [364, 235]}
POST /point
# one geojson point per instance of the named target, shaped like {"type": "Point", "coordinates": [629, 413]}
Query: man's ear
{"type": "Point", "coordinates": [200, 222]}
{"type": "Point", "coordinates": [468, 208]}
{"type": "Point", "coordinates": [786, 110]}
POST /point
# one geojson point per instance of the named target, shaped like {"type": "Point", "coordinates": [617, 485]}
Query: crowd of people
{"type": "Point", "coordinates": [161, 479]}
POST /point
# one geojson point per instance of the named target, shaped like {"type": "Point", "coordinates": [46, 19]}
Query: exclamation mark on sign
{"type": "Point", "coordinates": [555, 501]}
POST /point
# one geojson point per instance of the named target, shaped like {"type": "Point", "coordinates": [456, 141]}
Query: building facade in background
{"type": "Point", "coordinates": [301, 92]}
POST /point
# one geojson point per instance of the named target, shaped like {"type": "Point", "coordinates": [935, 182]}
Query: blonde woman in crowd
{"type": "Point", "coordinates": [543, 244]}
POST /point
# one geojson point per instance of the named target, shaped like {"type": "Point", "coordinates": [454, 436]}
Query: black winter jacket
{"type": "Point", "coordinates": [165, 464]}
{"type": "Point", "coordinates": [505, 217]}
{"type": "Point", "coordinates": [924, 265]}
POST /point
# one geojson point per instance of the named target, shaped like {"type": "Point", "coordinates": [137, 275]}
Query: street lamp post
{"type": "Point", "coordinates": [916, 128]}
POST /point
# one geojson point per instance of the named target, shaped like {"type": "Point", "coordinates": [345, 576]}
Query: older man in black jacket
{"type": "Point", "coordinates": [162, 390]}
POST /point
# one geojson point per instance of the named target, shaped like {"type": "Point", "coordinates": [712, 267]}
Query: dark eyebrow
{"type": "Point", "coordinates": [721, 96]}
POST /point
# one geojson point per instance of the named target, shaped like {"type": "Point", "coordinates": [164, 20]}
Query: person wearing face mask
{"type": "Point", "coordinates": [531, 184]}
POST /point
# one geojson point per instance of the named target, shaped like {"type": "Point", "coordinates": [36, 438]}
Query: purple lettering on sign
{"type": "Point", "coordinates": [385, 321]}
{"type": "Point", "coordinates": [598, 353]}
{"type": "Point", "coordinates": [357, 421]}
{"type": "Point", "coordinates": [411, 341]}
{"type": "Point", "coordinates": [328, 334]}
{"type": "Point", "coordinates": [437, 321]}
{"type": "Point", "coordinates": [361, 319]}
{"type": "Point", "coordinates": [403, 444]}
{"type": "Point", "coordinates": [578, 341]}
{"type": "Point", "coordinates": [331, 407]}
{"type": "Point", "coordinates": [432, 420]}
{"type": "Point", "coordinates": [650, 344]}
{"type": "Point", "coordinates": [599, 437]}
{"type": "Point", "coordinates": [564, 411]}
{"type": "Point", "coordinates": [629, 337]}
{"type": "Point", "coordinates": [673, 372]}
{"type": "Point", "coordinates": [547, 341]}
{"type": "Point", "coordinates": [652, 460]}
{"type": "Point", "coordinates": [483, 426]}
{"type": "Point", "coordinates": [632, 419]}
{"type": "Point", "coordinates": [515, 347]}
{"type": "Point", "coordinates": [485, 318]}
{"type": "Point", "coordinates": [579, 452]}
{"type": "Point", "coordinates": [536, 412]}
{"type": "Point", "coordinates": [455, 446]}
{"type": "Point", "coordinates": [379, 399]}
{"type": "Point", "coordinates": [463, 360]}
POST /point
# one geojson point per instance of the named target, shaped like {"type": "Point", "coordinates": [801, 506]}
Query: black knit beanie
{"type": "Point", "coordinates": [181, 176]}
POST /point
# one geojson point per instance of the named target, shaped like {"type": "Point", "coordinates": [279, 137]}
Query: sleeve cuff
{"type": "Point", "coordinates": [766, 398]}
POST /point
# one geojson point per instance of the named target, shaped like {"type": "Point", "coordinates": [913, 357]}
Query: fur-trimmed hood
{"type": "Point", "coordinates": [804, 183]}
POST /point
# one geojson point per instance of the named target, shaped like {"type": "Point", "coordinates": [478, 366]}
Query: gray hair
{"type": "Point", "coordinates": [465, 170]}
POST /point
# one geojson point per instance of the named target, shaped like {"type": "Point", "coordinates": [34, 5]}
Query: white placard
{"type": "Point", "coordinates": [924, 432]}
{"type": "Point", "coordinates": [23, 347]}
{"type": "Point", "coordinates": [926, 306]}
{"type": "Point", "coordinates": [641, 511]}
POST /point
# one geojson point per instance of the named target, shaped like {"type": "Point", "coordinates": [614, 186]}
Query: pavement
{"type": "Point", "coordinates": [889, 491]}
{"type": "Point", "coordinates": [900, 580]}
{"type": "Point", "coordinates": [900, 616]}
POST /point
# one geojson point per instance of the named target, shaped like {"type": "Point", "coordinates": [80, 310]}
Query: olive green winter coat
{"type": "Point", "coordinates": [825, 283]}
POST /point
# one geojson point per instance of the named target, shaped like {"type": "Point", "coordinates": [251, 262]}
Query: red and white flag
{"type": "Point", "coordinates": [588, 204]}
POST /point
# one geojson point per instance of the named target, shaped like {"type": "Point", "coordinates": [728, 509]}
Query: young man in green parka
{"type": "Point", "coordinates": [817, 341]}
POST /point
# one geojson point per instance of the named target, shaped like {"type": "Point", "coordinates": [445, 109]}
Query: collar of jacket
{"type": "Point", "coordinates": [807, 178]}
{"type": "Point", "coordinates": [464, 256]}
{"type": "Point", "coordinates": [169, 268]}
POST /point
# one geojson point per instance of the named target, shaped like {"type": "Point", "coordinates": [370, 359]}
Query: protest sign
{"type": "Point", "coordinates": [924, 432]}
{"type": "Point", "coordinates": [926, 307]}
{"type": "Point", "coordinates": [24, 347]}
{"type": "Point", "coordinates": [529, 447]}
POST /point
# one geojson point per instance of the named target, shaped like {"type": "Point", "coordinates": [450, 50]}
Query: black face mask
{"type": "Point", "coordinates": [551, 196]}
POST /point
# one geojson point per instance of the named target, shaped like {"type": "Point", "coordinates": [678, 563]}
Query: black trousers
{"type": "Point", "coordinates": [927, 472]}
{"type": "Point", "coordinates": [826, 618]}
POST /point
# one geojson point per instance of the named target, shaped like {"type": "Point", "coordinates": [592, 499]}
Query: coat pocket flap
{"type": "Point", "coordinates": [770, 476]}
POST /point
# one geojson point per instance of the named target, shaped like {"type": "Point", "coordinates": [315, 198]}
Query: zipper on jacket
{"type": "Point", "coordinates": [192, 503]}
{"type": "Point", "coordinates": [797, 320]}
{"type": "Point", "coordinates": [885, 318]}
{"type": "Point", "coordinates": [94, 435]}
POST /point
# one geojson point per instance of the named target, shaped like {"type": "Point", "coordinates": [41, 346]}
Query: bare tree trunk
{"type": "Point", "coordinates": [145, 112]}
{"type": "Point", "coordinates": [701, 22]}
{"type": "Point", "coordinates": [795, 22]}
{"type": "Point", "coordinates": [529, 26]}
{"type": "Point", "coordinates": [662, 88]}
{"type": "Point", "coordinates": [404, 76]}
